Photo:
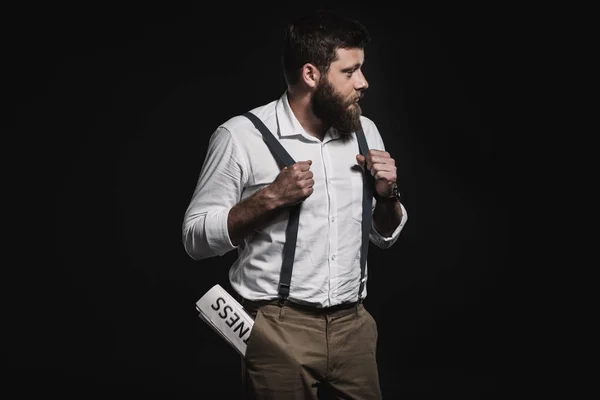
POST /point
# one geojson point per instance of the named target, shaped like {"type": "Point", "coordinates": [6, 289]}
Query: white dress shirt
{"type": "Point", "coordinates": [326, 269]}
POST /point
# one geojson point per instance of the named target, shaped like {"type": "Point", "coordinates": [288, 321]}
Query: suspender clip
{"type": "Point", "coordinates": [282, 301]}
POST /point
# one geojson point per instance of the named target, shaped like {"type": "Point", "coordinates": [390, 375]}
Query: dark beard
{"type": "Point", "coordinates": [333, 110]}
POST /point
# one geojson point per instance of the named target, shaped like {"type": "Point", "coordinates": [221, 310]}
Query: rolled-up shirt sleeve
{"type": "Point", "coordinates": [386, 241]}
{"type": "Point", "coordinates": [218, 189]}
{"type": "Point", "coordinates": [376, 142]}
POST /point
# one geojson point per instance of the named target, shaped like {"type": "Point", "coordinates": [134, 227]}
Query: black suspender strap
{"type": "Point", "coordinates": [289, 248]}
{"type": "Point", "coordinates": [291, 233]}
{"type": "Point", "coordinates": [281, 154]}
{"type": "Point", "coordinates": [366, 210]}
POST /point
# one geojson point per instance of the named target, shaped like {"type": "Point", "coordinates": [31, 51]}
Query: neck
{"type": "Point", "coordinates": [300, 105]}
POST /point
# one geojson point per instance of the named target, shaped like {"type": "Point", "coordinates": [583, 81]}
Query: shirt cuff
{"type": "Point", "coordinates": [217, 234]}
{"type": "Point", "coordinates": [387, 241]}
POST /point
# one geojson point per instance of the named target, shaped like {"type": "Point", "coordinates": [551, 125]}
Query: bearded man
{"type": "Point", "coordinates": [312, 332]}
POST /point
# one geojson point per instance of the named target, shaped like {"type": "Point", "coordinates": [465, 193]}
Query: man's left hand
{"type": "Point", "coordinates": [383, 168]}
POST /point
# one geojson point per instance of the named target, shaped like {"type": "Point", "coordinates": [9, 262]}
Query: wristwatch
{"type": "Point", "coordinates": [395, 196]}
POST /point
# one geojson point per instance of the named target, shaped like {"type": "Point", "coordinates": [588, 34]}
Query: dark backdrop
{"type": "Point", "coordinates": [113, 107]}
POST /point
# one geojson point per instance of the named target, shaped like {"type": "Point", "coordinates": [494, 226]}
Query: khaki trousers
{"type": "Point", "coordinates": [302, 353]}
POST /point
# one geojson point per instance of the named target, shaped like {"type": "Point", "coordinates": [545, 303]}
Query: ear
{"type": "Point", "coordinates": [310, 75]}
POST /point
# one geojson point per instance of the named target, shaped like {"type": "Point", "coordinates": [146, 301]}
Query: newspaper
{"type": "Point", "coordinates": [227, 317]}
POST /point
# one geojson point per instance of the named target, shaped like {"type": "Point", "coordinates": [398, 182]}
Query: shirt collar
{"type": "Point", "coordinates": [287, 123]}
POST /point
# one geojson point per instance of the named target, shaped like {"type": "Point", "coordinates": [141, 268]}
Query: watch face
{"type": "Point", "coordinates": [395, 192]}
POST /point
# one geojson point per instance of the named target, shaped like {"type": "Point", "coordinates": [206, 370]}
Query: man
{"type": "Point", "coordinates": [319, 336]}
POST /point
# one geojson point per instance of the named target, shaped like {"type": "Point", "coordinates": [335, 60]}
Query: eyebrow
{"type": "Point", "coordinates": [352, 68]}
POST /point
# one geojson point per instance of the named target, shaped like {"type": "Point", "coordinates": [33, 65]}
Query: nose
{"type": "Point", "coordinates": [361, 82]}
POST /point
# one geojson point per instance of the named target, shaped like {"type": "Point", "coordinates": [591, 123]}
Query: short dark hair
{"type": "Point", "coordinates": [315, 38]}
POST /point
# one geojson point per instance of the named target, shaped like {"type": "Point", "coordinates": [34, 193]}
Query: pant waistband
{"type": "Point", "coordinates": [303, 307]}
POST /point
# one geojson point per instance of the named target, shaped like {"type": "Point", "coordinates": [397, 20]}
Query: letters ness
{"type": "Point", "coordinates": [233, 320]}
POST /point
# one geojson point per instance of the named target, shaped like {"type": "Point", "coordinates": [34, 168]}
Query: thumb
{"type": "Point", "coordinates": [361, 160]}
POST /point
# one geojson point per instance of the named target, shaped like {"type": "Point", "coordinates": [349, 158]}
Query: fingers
{"type": "Point", "coordinates": [388, 176]}
{"type": "Point", "coordinates": [374, 156]}
{"type": "Point", "coordinates": [378, 160]}
{"type": "Point", "coordinates": [300, 167]}
{"type": "Point", "coordinates": [306, 175]}
{"type": "Point", "coordinates": [381, 165]}
{"type": "Point", "coordinates": [381, 157]}
{"type": "Point", "coordinates": [379, 153]}
{"type": "Point", "coordinates": [384, 172]}
{"type": "Point", "coordinates": [295, 182]}
{"type": "Point", "coordinates": [306, 186]}
{"type": "Point", "coordinates": [303, 165]}
{"type": "Point", "coordinates": [302, 173]}
{"type": "Point", "coordinates": [381, 160]}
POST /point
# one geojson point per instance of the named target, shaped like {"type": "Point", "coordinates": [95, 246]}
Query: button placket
{"type": "Point", "coordinates": [333, 226]}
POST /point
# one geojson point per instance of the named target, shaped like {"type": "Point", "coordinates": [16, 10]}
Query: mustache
{"type": "Point", "coordinates": [360, 96]}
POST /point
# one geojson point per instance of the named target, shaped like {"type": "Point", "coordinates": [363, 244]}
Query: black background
{"type": "Point", "coordinates": [113, 107]}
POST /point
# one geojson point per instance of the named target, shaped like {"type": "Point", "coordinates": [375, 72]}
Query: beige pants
{"type": "Point", "coordinates": [302, 354]}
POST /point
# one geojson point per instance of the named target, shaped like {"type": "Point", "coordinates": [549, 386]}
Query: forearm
{"type": "Point", "coordinates": [252, 213]}
{"type": "Point", "coordinates": [387, 216]}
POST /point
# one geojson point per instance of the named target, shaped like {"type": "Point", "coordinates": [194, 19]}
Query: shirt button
{"type": "Point", "coordinates": [332, 219]}
{"type": "Point", "coordinates": [333, 257]}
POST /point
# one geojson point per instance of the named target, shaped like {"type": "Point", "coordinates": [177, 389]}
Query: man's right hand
{"type": "Point", "coordinates": [293, 184]}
